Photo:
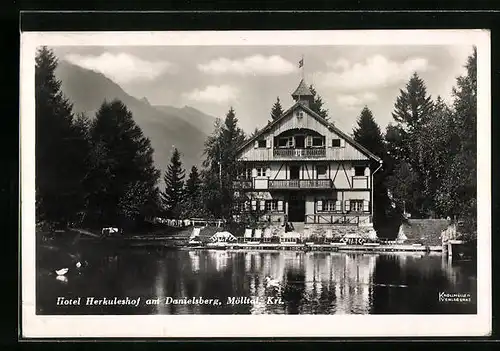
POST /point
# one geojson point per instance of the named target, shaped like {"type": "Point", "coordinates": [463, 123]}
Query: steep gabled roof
{"type": "Point", "coordinates": [327, 124]}
{"type": "Point", "coordinates": [302, 90]}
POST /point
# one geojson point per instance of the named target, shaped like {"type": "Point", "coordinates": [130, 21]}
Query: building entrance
{"type": "Point", "coordinates": [296, 208]}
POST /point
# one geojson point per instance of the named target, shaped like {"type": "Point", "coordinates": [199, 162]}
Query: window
{"type": "Point", "coordinates": [317, 141]}
{"type": "Point", "coordinates": [335, 142]}
{"type": "Point", "coordinates": [321, 171]}
{"type": "Point", "coordinates": [359, 171]}
{"type": "Point", "coordinates": [262, 143]}
{"type": "Point", "coordinates": [261, 171]}
{"type": "Point", "coordinates": [285, 142]}
{"type": "Point", "coordinates": [271, 205]}
{"type": "Point", "coordinates": [328, 205]}
{"type": "Point", "coordinates": [356, 205]}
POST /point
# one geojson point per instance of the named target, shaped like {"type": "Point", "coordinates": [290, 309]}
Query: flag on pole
{"type": "Point", "coordinates": [301, 63]}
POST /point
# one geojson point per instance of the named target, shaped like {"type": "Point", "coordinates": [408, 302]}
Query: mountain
{"type": "Point", "coordinates": [186, 128]}
{"type": "Point", "coordinates": [193, 116]}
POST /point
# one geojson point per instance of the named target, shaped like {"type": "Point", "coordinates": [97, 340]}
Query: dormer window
{"type": "Point", "coordinates": [262, 143]}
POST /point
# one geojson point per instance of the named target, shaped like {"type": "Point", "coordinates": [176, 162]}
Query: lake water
{"type": "Point", "coordinates": [304, 283]}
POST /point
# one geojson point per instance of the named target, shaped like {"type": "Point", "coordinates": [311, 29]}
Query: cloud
{"type": "Point", "coordinates": [374, 72]}
{"type": "Point", "coordinates": [121, 67]}
{"type": "Point", "coordinates": [213, 94]}
{"type": "Point", "coordinates": [257, 65]}
{"type": "Point", "coordinates": [357, 100]}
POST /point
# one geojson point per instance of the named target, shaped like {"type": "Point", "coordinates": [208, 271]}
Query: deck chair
{"type": "Point", "coordinates": [248, 235]}
{"type": "Point", "coordinates": [258, 234]}
{"type": "Point", "coordinates": [267, 234]}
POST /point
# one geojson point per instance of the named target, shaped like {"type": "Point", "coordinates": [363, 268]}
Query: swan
{"type": "Point", "coordinates": [62, 271]}
{"type": "Point", "coordinates": [272, 283]}
{"type": "Point", "coordinates": [62, 278]}
{"type": "Point", "coordinates": [78, 264]}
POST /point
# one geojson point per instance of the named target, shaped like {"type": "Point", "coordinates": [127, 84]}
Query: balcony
{"type": "Point", "coordinates": [300, 184]}
{"type": "Point", "coordinates": [299, 152]}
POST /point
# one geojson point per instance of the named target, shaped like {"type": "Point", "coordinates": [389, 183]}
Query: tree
{"type": "Point", "coordinates": [413, 105]}
{"type": "Point", "coordinates": [254, 133]}
{"type": "Point", "coordinates": [220, 166]}
{"type": "Point", "coordinates": [368, 134]}
{"type": "Point", "coordinates": [458, 192]}
{"type": "Point", "coordinates": [123, 177]}
{"type": "Point", "coordinates": [412, 111]}
{"type": "Point", "coordinates": [61, 147]}
{"type": "Point", "coordinates": [192, 205]}
{"type": "Point", "coordinates": [174, 186]}
{"type": "Point", "coordinates": [441, 145]}
{"type": "Point", "coordinates": [277, 109]}
{"type": "Point", "coordinates": [317, 103]}
{"type": "Point", "coordinates": [193, 184]}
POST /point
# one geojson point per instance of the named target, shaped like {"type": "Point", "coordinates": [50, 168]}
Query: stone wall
{"type": "Point", "coordinates": [424, 231]}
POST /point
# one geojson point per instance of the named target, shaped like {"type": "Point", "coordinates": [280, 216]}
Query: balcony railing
{"type": "Point", "coordinates": [300, 184]}
{"type": "Point", "coordinates": [299, 153]}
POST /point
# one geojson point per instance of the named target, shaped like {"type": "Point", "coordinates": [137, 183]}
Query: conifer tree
{"type": "Point", "coordinates": [174, 186]}
{"type": "Point", "coordinates": [413, 106]}
{"type": "Point", "coordinates": [123, 177]}
{"type": "Point", "coordinates": [317, 104]}
{"type": "Point", "coordinates": [192, 205]}
{"type": "Point", "coordinates": [254, 133]}
{"type": "Point", "coordinates": [368, 134]}
{"type": "Point", "coordinates": [220, 166]}
{"type": "Point", "coordinates": [193, 183]}
{"type": "Point", "coordinates": [457, 195]}
{"type": "Point", "coordinates": [277, 109]}
{"type": "Point", "coordinates": [412, 111]}
{"type": "Point", "coordinates": [61, 147]}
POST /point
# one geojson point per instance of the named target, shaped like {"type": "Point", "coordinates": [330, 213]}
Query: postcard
{"type": "Point", "coordinates": [255, 184]}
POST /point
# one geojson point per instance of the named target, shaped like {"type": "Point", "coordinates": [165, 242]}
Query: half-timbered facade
{"type": "Point", "coordinates": [301, 168]}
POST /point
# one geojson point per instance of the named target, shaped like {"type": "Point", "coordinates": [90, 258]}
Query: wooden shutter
{"type": "Point", "coordinates": [256, 144]}
{"type": "Point", "coordinates": [366, 206]}
{"type": "Point", "coordinates": [309, 140]}
{"type": "Point", "coordinates": [280, 206]}
{"type": "Point", "coordinates": [347, 205]}
{"type": "Point", "coordinates": [254, 205]}
{"type": "Point", "coordinates": [268, 142]}
{"type": "Point", "coordinates": [262, 205]}
{"type": "Point", "coordinates": [319, 206]}
{"type": "Point", "coordinates": [342, 143]}
{"type": "Point", "coordinates": [338, 206]}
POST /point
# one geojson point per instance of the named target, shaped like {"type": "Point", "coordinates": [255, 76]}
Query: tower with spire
{"type": "Point", "coordinates": [303, 94]}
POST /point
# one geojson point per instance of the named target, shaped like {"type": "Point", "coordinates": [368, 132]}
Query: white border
{"type": "Point", "coordinates": [254, 326]}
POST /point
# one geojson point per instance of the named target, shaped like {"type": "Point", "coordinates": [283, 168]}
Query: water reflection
{"type": "Point", "coordinates": [303, 283]}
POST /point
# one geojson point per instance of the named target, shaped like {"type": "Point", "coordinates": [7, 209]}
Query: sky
{"type": "Point", "coordinates": [250, 78]}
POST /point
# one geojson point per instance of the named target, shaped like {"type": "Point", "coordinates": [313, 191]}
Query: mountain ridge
{"type": "Point", "coordinates": [165, 126]}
